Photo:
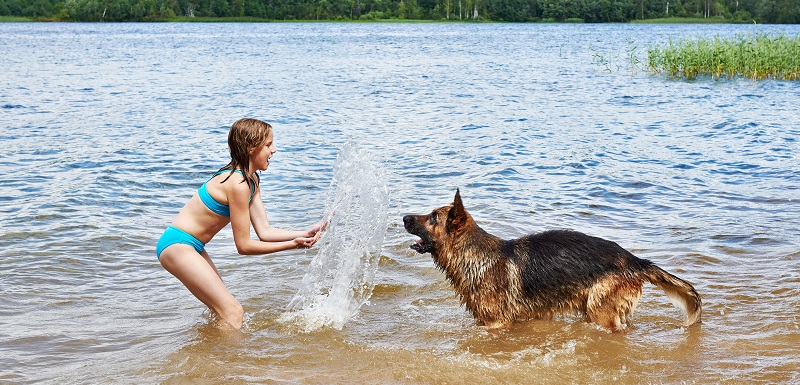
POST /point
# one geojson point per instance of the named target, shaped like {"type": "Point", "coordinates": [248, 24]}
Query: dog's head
{"type": "Point", "coordinates": [438, 227]}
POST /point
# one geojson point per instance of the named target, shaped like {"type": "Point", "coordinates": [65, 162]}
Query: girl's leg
{"type": "Point", "coordinates": [198, 273]}
{"type": "Point", "coordinates": [207, 257]}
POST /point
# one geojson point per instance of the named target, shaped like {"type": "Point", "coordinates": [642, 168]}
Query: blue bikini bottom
{"type": "Point", "coordinates": [173, 235]}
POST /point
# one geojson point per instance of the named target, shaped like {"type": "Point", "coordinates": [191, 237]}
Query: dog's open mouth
{"type": "Point", "coordinates": [421, 246]}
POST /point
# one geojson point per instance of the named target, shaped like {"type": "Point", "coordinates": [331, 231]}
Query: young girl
{"type": "Point", "coordinates": [232, 195]}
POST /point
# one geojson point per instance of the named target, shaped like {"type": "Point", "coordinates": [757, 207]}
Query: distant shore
{"type": "Point", "coordinates": [690, 20]}
{"type": "Point", "coordinates": [182, 19]}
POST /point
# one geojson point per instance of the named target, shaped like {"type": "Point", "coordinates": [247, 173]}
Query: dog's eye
{"type": "Point", "coordinates": [432, 219]}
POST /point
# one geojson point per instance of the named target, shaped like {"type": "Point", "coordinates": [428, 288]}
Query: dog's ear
{"type": "Point", "coordinates": [457, 214]}
{"type": "Point", "coordinates": [457, 199]}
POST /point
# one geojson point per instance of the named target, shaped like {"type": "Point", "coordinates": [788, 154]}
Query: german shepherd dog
{"type": "Point", "coordinates": [541, 275]}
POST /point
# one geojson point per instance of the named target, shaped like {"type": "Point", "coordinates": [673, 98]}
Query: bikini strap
{"type": "Point", "coordinates": [252, 188]}
{"type": "Point", "coordinates": [224, 171]}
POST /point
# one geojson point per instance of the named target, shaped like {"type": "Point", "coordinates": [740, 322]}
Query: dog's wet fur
{"type": "Point", "coordinates": [541, 275]}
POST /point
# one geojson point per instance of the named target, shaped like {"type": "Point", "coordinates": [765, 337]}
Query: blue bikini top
{"type": "Point", "coordinates": [212, 204]}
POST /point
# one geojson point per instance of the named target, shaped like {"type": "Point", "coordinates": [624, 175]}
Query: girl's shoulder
{"type": "Point", "coordinates": [225, 175]}
{"type": "Point", "coordinates": [235, 176]}
{"type": "Point", "coordinates": [236, 183]}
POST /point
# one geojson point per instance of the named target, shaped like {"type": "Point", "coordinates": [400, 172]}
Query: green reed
{"type": "Point", "coordinates": [754, 56]}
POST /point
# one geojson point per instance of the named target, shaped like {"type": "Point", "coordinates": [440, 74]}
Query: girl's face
{"type": "Point", "coordinates": [259, 156]}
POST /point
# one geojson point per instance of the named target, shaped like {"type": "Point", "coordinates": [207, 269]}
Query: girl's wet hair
{"type": "Point", "coordinates": [245, 135]}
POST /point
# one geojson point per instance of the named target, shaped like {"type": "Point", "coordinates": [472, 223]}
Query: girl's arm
{"type": "Point", "coordinates": [266, 233]}
{"type": "Point", "coordinates": [238, 197]}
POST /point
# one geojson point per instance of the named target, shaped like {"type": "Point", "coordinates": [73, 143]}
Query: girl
{"type": "Point", "coordinates": [232, 195]}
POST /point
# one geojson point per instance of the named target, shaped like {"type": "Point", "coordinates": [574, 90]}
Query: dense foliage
{"type": "Point", "coordinates": [761, 11]}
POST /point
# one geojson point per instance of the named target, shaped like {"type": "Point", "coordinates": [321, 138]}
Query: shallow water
{"type": "Point", "coordinates": [108, 128]}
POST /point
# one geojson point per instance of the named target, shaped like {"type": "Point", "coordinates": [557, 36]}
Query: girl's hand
{"type": "Point", "coordinates": [318, 228]}
{"type": "Point", "coordinates": [325, 221]}
{"type": "Point", "coordinates": [312, 235]}
{"type": "Point", "coordinates": [304, 242]}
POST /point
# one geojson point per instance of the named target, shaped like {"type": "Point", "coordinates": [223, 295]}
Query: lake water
{"type": "Point", "coordinates": [107, 129]}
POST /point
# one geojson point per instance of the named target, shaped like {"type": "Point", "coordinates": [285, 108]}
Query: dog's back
{"type": "Point", "coordinates": [558, 266]}
{"type": "Point", "coordinates": [595, 276]}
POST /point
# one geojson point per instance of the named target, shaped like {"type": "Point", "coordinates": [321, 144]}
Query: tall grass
{"type": "Point", "coordinates": [754, 56]}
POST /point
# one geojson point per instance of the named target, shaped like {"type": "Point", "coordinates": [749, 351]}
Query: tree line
{"type": "Point", "coordinates": [592, 11]}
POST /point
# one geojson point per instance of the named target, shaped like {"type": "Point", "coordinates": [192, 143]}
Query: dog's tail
{"type": "Point", "coordinates": [680, 292]}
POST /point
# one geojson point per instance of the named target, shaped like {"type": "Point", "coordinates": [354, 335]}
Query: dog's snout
{"type": "Point", "coordinates": [412, 223]}
{"type": "Point", "coordinates": [408, 220]}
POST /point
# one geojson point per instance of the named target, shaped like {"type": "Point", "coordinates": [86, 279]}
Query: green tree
{"type": "Point", "coordinates": [788, 12]}
{"type": "Point", "coordinates": [10, 8]}
{"type": "Point", "coordinates": [37, 8]}
{"type": "Point", "coordinates": [511, 10]}
{"type": "Point", "coordinates": [119, 10]}
{"type": "Point", "coordinates": [598, 11]}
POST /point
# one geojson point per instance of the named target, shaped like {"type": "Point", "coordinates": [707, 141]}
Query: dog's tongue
{"type": "Point", "coordinates": [416, 245]}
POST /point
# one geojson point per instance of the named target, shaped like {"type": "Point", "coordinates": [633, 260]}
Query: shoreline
{"type": "Point", "coordinates": [183, 19]}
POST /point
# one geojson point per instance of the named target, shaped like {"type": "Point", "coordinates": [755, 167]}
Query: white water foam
{"type": "Point", "coordinates": [340, 278]}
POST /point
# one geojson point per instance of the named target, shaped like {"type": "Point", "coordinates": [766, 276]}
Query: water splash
{"type": "Point", "coordinates": [340, 278]}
